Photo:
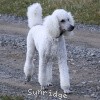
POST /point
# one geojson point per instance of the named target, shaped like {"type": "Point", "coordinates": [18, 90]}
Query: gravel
{"type": "Point", "coordinates": [15, 19]}
{"type": "Point", "coordinates": [14, 41]}
{"type": "Point", "coordinates": [84, 62]}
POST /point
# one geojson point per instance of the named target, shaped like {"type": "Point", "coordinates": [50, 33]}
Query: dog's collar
{"type": "Point", "coordinates": [61, 33]}
{"type": "Point", "coordinates": [37, 24]}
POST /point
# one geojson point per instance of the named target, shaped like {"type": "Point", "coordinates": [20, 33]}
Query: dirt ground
{"type": "Point", "coordinates": [83, 60]}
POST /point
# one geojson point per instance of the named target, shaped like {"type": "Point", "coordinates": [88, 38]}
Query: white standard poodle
{"type": "Point", "coordinates": [47, 36]}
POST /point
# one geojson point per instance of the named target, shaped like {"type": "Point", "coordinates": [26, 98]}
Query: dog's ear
{"type": "Point", "coordinates": [52, 25]}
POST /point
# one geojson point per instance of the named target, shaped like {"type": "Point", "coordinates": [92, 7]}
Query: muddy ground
{"type": "Point", "coordinates": [83, 59]}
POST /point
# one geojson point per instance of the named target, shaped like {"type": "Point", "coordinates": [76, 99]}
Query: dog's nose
{"type": "Point", "coordinates": [71, 28]}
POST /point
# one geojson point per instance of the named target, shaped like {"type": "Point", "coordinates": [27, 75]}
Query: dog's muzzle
{"type": "Point", "coordinates": [63, 31]}
{"type": "Point", "coordinates": [71, 28]}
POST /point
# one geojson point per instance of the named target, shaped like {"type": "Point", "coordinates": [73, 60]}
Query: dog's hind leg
{"type": "Point", "coordinates": [29, 66]}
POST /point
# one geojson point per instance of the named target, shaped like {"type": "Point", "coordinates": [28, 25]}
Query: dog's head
{"type": "Point", "coordinates": [59, 23]}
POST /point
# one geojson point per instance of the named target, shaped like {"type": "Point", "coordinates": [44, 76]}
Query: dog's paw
{"type": "Point", "coordinates": [49, 84]}
{"type": "Point", "coordinates": [27, 79]}
{"type": "Point", "coordinates": [68, 91]}
{"type": "Point", "coordinates": [44, 88]}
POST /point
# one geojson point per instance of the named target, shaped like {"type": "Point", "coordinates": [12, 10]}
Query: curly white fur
{"type": "Point", "coordinates": [47, 37]}
{"type": "Point", "coordinates": [34, 15]}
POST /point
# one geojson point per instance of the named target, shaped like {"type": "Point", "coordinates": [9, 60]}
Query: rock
{"type": "Point", "coordinates": [83, 82]}
{"type": "Point", "coordinates": [93, 95]}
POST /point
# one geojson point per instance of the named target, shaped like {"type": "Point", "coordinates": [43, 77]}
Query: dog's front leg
{"type": "Point", "coordinates": [42, 78]}
{"type": "Point", "coordinates": [49, 73]}
{"type": "Point", "coordinates": [63, 67]}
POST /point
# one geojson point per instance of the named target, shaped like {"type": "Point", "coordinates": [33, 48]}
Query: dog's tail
{"type": "Point", "coordinates": [34, 14]}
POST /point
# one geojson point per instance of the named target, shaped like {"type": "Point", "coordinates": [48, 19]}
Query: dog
{"type": "Point", "coordinates": [47, 36]}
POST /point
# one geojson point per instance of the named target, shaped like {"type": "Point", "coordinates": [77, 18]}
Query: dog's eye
{"type": "Point", "coordinates": [68, 19]}
{"type": "Point", "coordinates": [62, 20]}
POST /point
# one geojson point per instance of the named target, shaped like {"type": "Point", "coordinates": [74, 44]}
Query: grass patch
{"type": "Point", "coordinates": [11, 98]}
{"type": "Point", "coordinates": [84, 11]}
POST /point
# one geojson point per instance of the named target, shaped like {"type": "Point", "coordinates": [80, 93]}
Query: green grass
{"type": "Point", "coordinates": [84, 11]}
{"type": "Point", "coordinates": [11, 98]}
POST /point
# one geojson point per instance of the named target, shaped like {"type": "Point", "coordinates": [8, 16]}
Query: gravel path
{"type": "Point", "coordinates": [83, 60]}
